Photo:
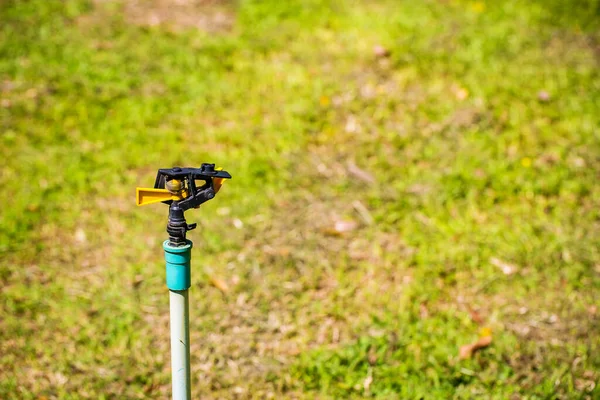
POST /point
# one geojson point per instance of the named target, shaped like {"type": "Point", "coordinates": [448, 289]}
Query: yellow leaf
{"type": "Point", "coordinates": [484, 340]}
{"type": "Point", "coordinates": [219, 284]}
{"type": "Point", "coordinates": [485, 331]}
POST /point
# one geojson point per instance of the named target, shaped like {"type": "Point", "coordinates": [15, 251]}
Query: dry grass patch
{"type": "Point", "coordinates": [212, 16]}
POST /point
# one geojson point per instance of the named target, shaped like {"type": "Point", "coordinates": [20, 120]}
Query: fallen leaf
{"type": "Point", "coordinates": [335, 335]}
{"type": "Point", "coordinates": [363, 212]}
{"type": "Point", "coordinates": [526, 162]}
{"type": "Point", "coordinates": [352, 125]}
{"type": "Point", "coordinates": [586, 385]}
{"type": "Point", "coordinates": [372, 356]}
{"type": "Point", "coordinates": [7, 86]}
{"type": "Point", "coordinates": [578, 162]}
{"type": "Point", "coordinates": [340, 227]}
{"type": "Point", "coordinates": [485, 339]}
{"type": "Point", "coordinates": [279, 251]}
{"type": "Point", "coordinates": [219, 284]}
{"type": "Point", "coordinates": [367, 382]}
{"type": "Point", "coordinates": [80, 236]}
{"type": "Point", "coordinates": [475, 316]}
{"type": "Point", "coordinates": [381, 51]}
{"type": "Point", "coordinates": [137, 281]}
{"type": "Point", "coordinates": [543, 96]}
{"type": "Point", "coordinates": [460, 93]}
{"type": "Point", "coordinates": [238, 390]}
{"type": "Point", "coordinates": [359, 173]}
{"type": "Point", "coordinates": [31, 93]}
{"type": "Point", "coordinates": [507, 269]}
{"type": "Point", "coordinates": [345, 226]}
{"type": "Point", "coordinates": [588, 374]}
{"type": "Point", "coordinates": [418, 189]}
{"type": "Point", "coordinates": [423, 311]}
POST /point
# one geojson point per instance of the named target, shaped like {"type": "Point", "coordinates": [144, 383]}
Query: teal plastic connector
{"type": "Point", "coordinates": [178, 265]}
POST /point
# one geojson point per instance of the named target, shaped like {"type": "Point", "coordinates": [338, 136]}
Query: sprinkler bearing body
{"type": "Point", "coordinates": [177, 226]}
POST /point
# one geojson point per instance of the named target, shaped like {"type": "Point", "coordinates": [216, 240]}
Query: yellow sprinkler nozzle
{"type": "Point", "coordinates": [149, 196]}
{"type": "Point", "coordinates": [218, 182]}
{"type": "Point", "coordinates": [175, 190]}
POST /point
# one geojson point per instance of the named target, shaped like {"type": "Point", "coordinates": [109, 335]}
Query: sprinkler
{"type": "Point", "coordinates": [181, 189]}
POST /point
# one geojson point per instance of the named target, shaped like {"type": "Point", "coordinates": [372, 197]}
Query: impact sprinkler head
{"type": "Point", "coordinates": [182, 189]}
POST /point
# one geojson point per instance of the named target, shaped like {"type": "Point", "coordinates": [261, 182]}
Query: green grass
{"type": "Point", "coordinates": [480, 131]}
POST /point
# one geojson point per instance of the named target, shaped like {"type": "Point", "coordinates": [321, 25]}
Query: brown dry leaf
{"type": "Point", "coordinates": [359, 173]}
{"type": "Point", "coordinates": [381, 51]}
{"type": "Point", "coordinates": [507, 269]}
{"type": "Point", "coordinates": [345, 226]}
{"type": "Point", "coordinates": [219, 284]}
{"type": "Point", "coordinates": [80, 236]}
{"type": "Point", "coordinates": [423, 311]}
{"type": "Point", "coordinates": [364, 213]}
{"type": "Point", "coordinates": [372, 356]}
{"type": "Point", "coordinates": [485, 339]}
{"type": "Point", "coordinates": [367, 382]}
{"type": "Point", "coordinates": [237, 223]}
{"type": "Point", "coordinates": [276, 251]}
{"type": "Point", "coordinates": [460, 93]}
{"type": "Point", "coordinates": [418, 189]}
{"type": "Point", "coordinates": [137, 281]}
{"type": "Point", "coordinates": [475, 316]}
{"type": "Point", "coordinates": [340, 227]}
{"type": "Point", "coordinates": [283, 251]}
{"type": "Point", "coordinates": [584, 385]}
{"type": "Point", "coordinates": [543, 96]}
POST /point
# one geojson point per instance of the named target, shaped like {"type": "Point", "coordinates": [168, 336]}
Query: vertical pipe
{"type": "Point", "coordinates": [180, 340]}
{"type": "Point", "coordinates": [178, 260]}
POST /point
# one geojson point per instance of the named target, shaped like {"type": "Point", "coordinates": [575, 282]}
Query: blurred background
{"type": "Point", "coordinates": [414, 209]}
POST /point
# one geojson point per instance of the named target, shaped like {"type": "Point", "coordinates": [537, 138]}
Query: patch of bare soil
{"type": "Point", "coordinates": [214, 16]}
{"type": "Point", "coordinates": [206, 15]}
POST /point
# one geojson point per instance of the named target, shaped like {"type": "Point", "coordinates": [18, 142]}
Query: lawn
{"type": "Point", "coordinates": [409, 177]}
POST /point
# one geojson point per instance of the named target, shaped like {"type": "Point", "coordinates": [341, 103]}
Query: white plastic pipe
{"type": "Point", "coordinates": [180, 344]}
